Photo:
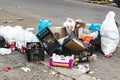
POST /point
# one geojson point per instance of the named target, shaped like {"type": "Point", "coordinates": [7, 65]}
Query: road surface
{"type": "Point", "coordinates": [57, 11]}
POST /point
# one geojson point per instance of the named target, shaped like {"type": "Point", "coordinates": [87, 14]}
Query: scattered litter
{"type": "Point", "coordinates": [87, 38]}
{"type": "Point", "coordinates": [8, 69]}
{"type": "Point", "coordinates": [93, 57]}
{"type": "Point", "coordinates": [45, 71]}
{"type": "Point", "coordinates": [59, 32]}
{"type": "Point", "coordinates": [4, 51]}
{"type": "Point", "coordinates": [19, 19]}
{"type": "Point", "coordinates": [53, 73]}
{"type": "Point", "coordinates": [73, 43]}
{"type": "Point", "coordinates": [25, 69]}
{"type": "Point", "coordinates": [84, 68]}
{"type": "Point", "coordinates": [17, 35]}
{"type": "Point", "coordinates": [91, 72]}
{"type": "Point", "coordinates": [38, 62]}
{"type": "Point", "coordinates": [5, 22]}
{"type": "Point", "coordinates": [61, 61]}
{"type": "Point", "coordinates": [73, 36]}
{"type": "Point", "coordinates": [29, 29]}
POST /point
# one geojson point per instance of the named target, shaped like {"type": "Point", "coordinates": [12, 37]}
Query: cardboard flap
{"type": "Point", "coordinates": [74, 44]}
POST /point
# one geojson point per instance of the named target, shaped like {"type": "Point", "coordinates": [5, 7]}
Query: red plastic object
{"type": "Point", "coordinates": [8, 69]}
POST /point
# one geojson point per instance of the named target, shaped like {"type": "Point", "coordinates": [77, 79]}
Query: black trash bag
{"type": "Point", "coordinates": [3, 44]}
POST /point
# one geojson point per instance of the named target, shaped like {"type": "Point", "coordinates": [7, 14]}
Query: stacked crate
{"type": "Point", "coordinates": [34, 52]}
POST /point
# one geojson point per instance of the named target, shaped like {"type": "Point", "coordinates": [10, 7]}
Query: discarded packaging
{"type": "Point", "coordinates": [87, 38]}
{"type": "Point", "coordinates": [73, 43]}
{"type": "Point", "coordinates": [61, 61]}
{"type": "Point", "coordinates": [93, 57]}
{"type": "Point", "coordinates": [8, 69]}
{"type": "Point", "coordinates": [43, 23]}
{"type": "Point", "coordinates": [48, 40]}
{"type": "Point", "coordinates": [19, 19]}
{"type": "Point", "coordinates": [25, 69]}
{"type": "Point", "coordinates": [84, 68]}
{"type": "Point", "coordinates": [29, 29]}
{"type": "Point", "coordinates": [59, 32]}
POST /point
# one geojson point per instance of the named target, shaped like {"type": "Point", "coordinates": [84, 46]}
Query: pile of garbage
{"type": "Point", "coordinates": [72, 43]}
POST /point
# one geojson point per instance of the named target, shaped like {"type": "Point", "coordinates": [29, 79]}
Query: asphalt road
{"type": "Point", "coordinates": [57, 11]}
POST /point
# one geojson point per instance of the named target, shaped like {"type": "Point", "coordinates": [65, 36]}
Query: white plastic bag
{"type": "Point", "coordinates": [17, 34]}
{"type": "Point", "coordinates": [4, 51]}
{"type": "Point", "coordinates": [109, 34]}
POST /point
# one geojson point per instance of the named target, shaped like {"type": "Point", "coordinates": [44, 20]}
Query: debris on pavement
{"type": "Point", "coordinates": [84, 68]}
{"type": "Point", "coordinates": [19, 19]}
{"type": "Point", "coordinates": [4, 51]}
{"type": "Point", "coordinates": [8, 69]}
{"type": "Point", "coordinates": [67, 46]}
{"type": "Point", "coordinates": [45, 71]}
{"type": "Point", "coordinates": [61, 61]}
{"type": "Point", "coordinates": [5, 22]}
{"type": "Point", "coordinates": [53, 73]}
{"type": "Point", "coordinates": [93, 57]}
{"type": "Point", "coordinates": [25, 69]}
{"type": "Point", "coordinates": [30, 29]}
{"type": "Point", "coordinates": [16, 37]}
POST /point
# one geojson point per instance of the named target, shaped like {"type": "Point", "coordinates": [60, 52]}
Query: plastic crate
{"type": "Point", "coordinates": [33, 45]}
{"type": "Point", "coordinates": [48, 41]}
{"type": "Point", "coordinates": [35, 54]}
{"type": "Point", "coordinates": [34, 51]}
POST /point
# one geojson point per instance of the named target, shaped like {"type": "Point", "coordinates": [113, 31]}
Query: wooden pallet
{"type": "Point", "coordinates": [99, 2]}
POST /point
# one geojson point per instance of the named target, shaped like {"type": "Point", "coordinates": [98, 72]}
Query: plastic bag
{"type": "Point", "coordinates": [17, 34]}
{"type": "Point", "coordinates": [4, 51]}
{"type": "Point", "coordinates": [70, 25]}
{"type": "Point", "coordinates": [109, 34]}
{"type": "Point", "coordinates": [96, 27]}
{"type": "Point", "coordinates": [43, 24]}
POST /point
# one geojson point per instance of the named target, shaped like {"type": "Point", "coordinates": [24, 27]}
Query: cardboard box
{"type": "Point", "coordinates": [61, 61]}
{"type": "Point", "coordinates": [73, 43]}
{"type": "Point", "coordinates": [59, 32]}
